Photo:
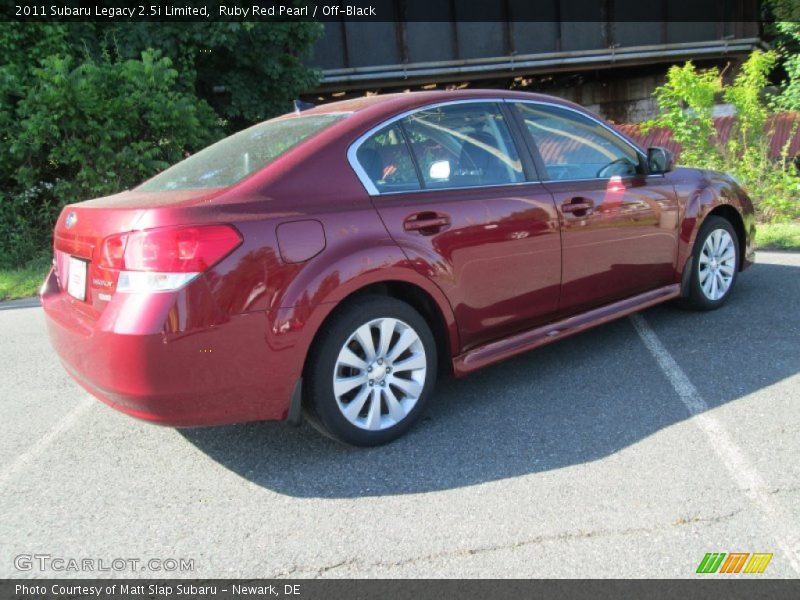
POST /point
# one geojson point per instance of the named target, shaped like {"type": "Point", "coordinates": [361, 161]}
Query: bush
{"type": "Point", "coordinates": [88, 129]}
{"type": "Point", "coordinates": [90, 109]}
{"type": "Point", "coordinates": [23, 234]}
{"type": "Point", "coordinates": [686, 102]}
{"type": "Point", "coordinates": [786, 29]}
{"type": "Point", "coordinates": [247, 72]}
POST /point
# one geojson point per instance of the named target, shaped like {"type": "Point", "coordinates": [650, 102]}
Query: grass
{"type": "Point", "coordinates": [25, 281]}
{"type": "Point", "coordinates": [778, 236]}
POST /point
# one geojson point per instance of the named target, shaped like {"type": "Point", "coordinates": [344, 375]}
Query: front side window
{"type": "Point", "coordinates": [463, 145]}
{"type": "Point", "coordinates": [573, 146]}
{"type": "Point", "coordinates": [385, 159]}
{"type": "Point", "coordinates": [232, 159]}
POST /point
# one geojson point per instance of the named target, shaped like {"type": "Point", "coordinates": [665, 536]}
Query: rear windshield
{"type": "Point", "coordinates": [232, 159]}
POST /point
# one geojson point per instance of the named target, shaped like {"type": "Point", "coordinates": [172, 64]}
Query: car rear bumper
{"type": "Point", "coordinates": [213, 375]}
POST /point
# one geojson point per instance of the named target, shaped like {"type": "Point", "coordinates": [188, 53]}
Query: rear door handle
{"type": "Point", "coordinates": [576, 207]}
{"type": "Point", "coordinates": [580, 207]}
{"type": "Point", "coordinates": [427, 223]}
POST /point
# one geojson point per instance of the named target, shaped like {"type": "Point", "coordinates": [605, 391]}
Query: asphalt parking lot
{"type": "Point", "coordinates": [628, 451]}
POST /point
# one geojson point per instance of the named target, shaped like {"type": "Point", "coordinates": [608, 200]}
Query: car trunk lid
{"type": "Point", "coordinates": [81, 229]}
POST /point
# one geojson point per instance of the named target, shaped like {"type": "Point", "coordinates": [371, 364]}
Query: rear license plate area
{"type": "Point", "coordinates": [76, 278]}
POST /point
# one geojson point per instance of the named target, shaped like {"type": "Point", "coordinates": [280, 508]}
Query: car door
{"type": "Point", "coordinates": [451, 187]}
{"type": "Point", "coordinates": [619, 226]}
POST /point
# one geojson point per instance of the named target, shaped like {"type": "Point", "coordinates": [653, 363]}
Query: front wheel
{"type": "Point", "coordinates": [371, 372]}
{"type": "Point", "coordinates": [715, 265]}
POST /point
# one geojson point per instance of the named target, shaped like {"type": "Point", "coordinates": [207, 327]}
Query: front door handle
{"type": "Point", "coordinates": [426, 223]}
{"type": "Point", "coordinates": [579, 207]}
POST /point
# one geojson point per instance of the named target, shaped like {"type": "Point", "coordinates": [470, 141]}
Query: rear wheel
{"type": "Point", "coordinates": [715, 265]}
{"type": "Point", "coordinates": [371, 372]}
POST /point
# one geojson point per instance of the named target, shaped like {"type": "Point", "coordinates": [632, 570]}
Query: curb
{"type": "Point", "coordinates": [31, 302]}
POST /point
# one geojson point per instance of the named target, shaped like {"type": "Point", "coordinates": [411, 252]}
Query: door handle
{"type": "Point", "coordinates": [427, 223]}
{"type": "Point", "coordinates": [580, 207]}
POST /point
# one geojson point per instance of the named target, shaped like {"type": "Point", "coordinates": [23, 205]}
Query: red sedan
{"type": "Point", "coordinates": [330, 262]}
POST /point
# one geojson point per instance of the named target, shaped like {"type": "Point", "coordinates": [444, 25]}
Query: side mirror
{"type": "Point", "coordinates": [659, 160]}
{"type": "Point", "coordinates": [440, 170]}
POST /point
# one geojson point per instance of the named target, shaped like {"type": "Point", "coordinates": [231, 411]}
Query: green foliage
{"type": "Point", "coordinates": [126, 115]}
{"type": "Point", "coordinates": [248, 72]}
{"type": "Point", "coordinates": [780, 236]}
{"type": "Point", "coordinates": [686, 102]}
{"type": "Point", "coordinates": [24, 281]}
{"type": "Point", "coordinates": [787, 31]}
{"type": "Point", "coordinates": [746, 95]}
{"type": "Point", "coordinates": [790, 96]}
{"type": "Point", "coordinates": [87, 129]}
{"type": "Point", "coordinates": [90, 109]}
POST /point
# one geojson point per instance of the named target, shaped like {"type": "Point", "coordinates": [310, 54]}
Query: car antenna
{"type": "Point", "coordinates": [300, 106]}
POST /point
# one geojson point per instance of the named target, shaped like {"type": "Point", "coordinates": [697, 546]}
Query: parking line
{"type": "Point", "coordinates": [15, 466]}
{"type": "Point", "coordinates": [743, 472]}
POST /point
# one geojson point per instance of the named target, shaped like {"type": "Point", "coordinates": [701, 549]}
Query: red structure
{"type": "Point", "coordinates": [783, 129]}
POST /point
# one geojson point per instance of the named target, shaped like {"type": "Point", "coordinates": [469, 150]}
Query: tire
{"type": "Point", "coordinates": [714, 270]}
{"type": "Point", "coordinates": [382, 389]}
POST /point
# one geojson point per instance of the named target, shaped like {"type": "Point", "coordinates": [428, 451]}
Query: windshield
{"type": "Point", "coordinates": [232, 159]}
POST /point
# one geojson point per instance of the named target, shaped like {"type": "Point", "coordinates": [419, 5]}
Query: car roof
{"type": "Point", "coordinates": [364, 115]}
{"type": "Point", "coordinates": [386, 105]}
{"type": "Point", "coordinates": [369, 111]}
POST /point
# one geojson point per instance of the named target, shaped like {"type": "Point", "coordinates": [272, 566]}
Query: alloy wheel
{"type": "Point", "coordinates": [379, 374]}
{"type": "Point", "coordinates": [717, 264]}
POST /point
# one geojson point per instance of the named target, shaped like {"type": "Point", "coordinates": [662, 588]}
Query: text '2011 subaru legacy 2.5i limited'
{"type": "Point", "coordinates": [330, 262]}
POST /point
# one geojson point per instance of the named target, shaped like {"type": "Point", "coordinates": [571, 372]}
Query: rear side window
{"type": "Point", "coordinates": [385, 159]}
{"type": "Point", "coordinates": [573, 146]}
{"type": "Point", "coordinates": [232, 159]}
{"type": "Point", "coordinates": [463, 145]}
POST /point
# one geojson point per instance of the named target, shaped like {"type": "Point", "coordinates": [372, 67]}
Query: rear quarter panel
{"type": "Point", "coordinates": [358, 248]}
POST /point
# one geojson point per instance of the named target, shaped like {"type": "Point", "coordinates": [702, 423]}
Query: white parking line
{"type": "Point", "coordinates": [747, 478]}
{"type": "Point", "coordinates": [15, 466]}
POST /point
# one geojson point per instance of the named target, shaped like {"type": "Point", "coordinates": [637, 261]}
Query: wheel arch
{"type": "Point", "coordinates": [704, 202]}
{"type": "Point", "coordinates": [439, 318]}
{"type": "Point", "coordinates": [730, 214]}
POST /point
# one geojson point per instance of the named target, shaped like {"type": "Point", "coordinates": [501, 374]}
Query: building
{"type": "Point", "coordinates": [609, 65]}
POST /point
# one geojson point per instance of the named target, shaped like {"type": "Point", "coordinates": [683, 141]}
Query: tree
{"type": "Point", "coordinates": [247, 71]}
{"type": "Point", "coordinates": [89, 109]}
{"type": "Point", "coordinates": [686, 103]}
{"type": "Point", "coordinates": [787, 31]}
{"type": "Point", "coordinates": [89, 128]}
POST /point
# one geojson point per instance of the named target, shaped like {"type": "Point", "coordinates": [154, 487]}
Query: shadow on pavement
{"type": "Point", "coordinates": [575, 401]}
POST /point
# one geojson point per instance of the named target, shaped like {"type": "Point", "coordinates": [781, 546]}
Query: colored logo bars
{"type": "Point", "coordinates": [714, 562]}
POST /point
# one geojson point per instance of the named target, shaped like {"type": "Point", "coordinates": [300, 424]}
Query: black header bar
{"type": "Point", "coordinates": [386, 10]}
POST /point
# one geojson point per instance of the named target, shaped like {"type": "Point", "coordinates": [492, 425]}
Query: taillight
{"type": "Point", "coordinates": [166, 258]}
{"type": "Point", "coordinates": [112, 256]}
